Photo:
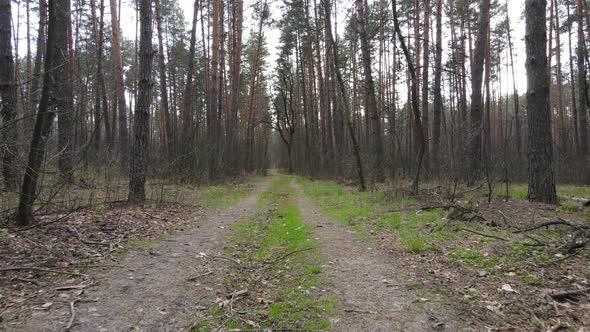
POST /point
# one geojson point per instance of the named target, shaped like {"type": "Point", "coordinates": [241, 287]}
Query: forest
{"type": "Point", "coordinates": [294, 165]}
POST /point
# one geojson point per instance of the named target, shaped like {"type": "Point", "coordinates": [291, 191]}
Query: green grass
{"type": "Point", "coordinates": [474, 257]}
{"type": "Point", "coordinates": [283, 246]}
{"type": "Point", "coordinates": [222, 196]}
{"type": "Point", "coordinates": [417, 231]}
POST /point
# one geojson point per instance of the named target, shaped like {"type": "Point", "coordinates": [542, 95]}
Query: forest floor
{"type": "Point", "coordinates": [285, 253]}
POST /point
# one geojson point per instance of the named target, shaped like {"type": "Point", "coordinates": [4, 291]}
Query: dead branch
{"type": "Point", "coordinates": [506, 219]}
{"type": "Point", "coordinates": [199, 276]}
{"type": "Point", "coordinates": [236, 294]}
{"type": "Point", "coordinates": [72, 315]}
{"type": "Point", "coordinates": [292, 253]}
{"type": "Point", "coordinates": [571, 295]}
{"type": "Point", "coordinates": [32, 268]}
{"type": "Point", "coordinates": [484, 234]}
{"type": "Point", "coordinates": [560, 221]}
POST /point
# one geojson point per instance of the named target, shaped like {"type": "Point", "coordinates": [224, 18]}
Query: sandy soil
{"type": "Point", "coordinates": [162, 287]}
{"type": "Point", "coordinates": [369, 283]}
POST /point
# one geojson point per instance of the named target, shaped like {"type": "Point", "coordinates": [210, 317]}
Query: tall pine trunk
{"type": "Point", "coordinates": [8, 100]}
{"type": "Point", "coordinates": [119, 88]}
{"type": "Point", "coordinates": [139, 152]}
{"type": "Point", "coordinates": [475, 130]}
{"type": "Point", "coordinates": [540, 148]}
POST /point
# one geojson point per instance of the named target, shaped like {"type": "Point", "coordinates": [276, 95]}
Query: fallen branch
{"type": "Point", "coordinates": [360, 311]}
{"type": "Point", "coordinates": [199, 276]}
{"type": "Point", "coordinates": [236, 294]}
{"type": "Point", "coordinates": [292, 253]}
{"type": "Point", "coordinates": [506, 219]}
{"type": "Point", "coordinates": [72, 315]}
{"type": "Point", "coordinates": [553, 223]}
{"type": "Point", "coordinates": [32, 268]}
{"type": "Point", "coordinates": [64, 288]}
{"type": "Point", "coordinates": [484, 234]}
{"type": "Point", "coordinates": [572, 295]}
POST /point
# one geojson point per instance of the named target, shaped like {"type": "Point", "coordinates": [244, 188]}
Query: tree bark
{"type": "Point", "coordinates": [57, 69]}
{"type": "Point", "coordinates": [119, 88]}
{"type": "Point", "coordinates": [232, 128]}
{"type": "Point", "coordinates": [213, 111]}
{"type": "Point", "coordinates": [139, 151]}
{"type": "Point", "coordinates": [582, 83]}
{"type": "Point", "coordinates": [438, 103]}
{"type": "Point", "coordinates": [8, 100]}
{"type": "Point", "coordinates": [425, 84]}
{"type": "Point", "coordinates": [476, 95]}
{"type": "Point", "coordinates": [541, 187]}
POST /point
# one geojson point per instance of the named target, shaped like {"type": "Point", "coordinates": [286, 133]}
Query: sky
{"type": "Point", "coordinates": [272, 34]}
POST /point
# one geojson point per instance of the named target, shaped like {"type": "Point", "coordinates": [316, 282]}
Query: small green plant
{"type": "Point", "coordinates": [473, 257]}
{"type": "Point", "coordinates": [3, 231]}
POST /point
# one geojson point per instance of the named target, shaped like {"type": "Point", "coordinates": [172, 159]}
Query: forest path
{"type": "Point", "coordinates": [368, 282]}
{"type": "Point", "coordinates": [162, 287]}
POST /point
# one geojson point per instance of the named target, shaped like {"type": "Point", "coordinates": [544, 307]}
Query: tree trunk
{"type": "Point", "coordinates": [8, 100]}
{"type": "Point", "coordinates": [425, 84]}
{"type": "Point", "coordinates": [573, 87]}
{"type": "Point", "coordinates": [582, 83]}
{"type": "Point", "coordinates": [232, 128]}
{"type": "Point", "coordinates": [63, 98]}
{"type": "Point", "coordinates": [476, 95]}
{"type": "Point", "coordinates": [540, 149]}
{"type": "Point", "coordinates": [370, 101]}
{"type": "Point", "coordinates": [119, 87]}
{"type": "Point", "coordinates": [414, 100]}
{"type": "Point", "coordinates": [347, 109]}
{"type": "Point", "coordinates": [170, 140]}
{"type": "Point", "coordinates": [139, 151]}
{"type": "Point", "coordinates": [562, 130]}
{"type": "Point", "coordinates": [438, 103]}
{"type": "Point", "coordinates": [57, 69]}
{"type": "Point", "coordinates": [213, 114]}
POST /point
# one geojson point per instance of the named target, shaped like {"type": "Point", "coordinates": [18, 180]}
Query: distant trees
{"type": "Point", "coordinates": [420, 89]}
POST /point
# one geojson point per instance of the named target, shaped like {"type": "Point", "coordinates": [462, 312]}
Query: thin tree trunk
{"type": "Point", "coordinates": [232, 142]}
{"type": "Point", "coordinates": [170, 139]}
{"type": "Point", "coordinates": [370, 101]}
{"type": "Point", "coordinates": [476, 97]}
{"type": "Point", "coordinates": [582, 83]}
{"type": "Point", "coordinates": [414, 100]}
{"type": "Point", "coordinates": [8, 100]}
{"type": "Point", "coordinates": [119, 88]}
{"type": "Point", "coordinates": [438, 103]}
{"type": "Point", "coordinates": [55, 74]}
{"type": "Point", "coordinates": [425, 84]}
